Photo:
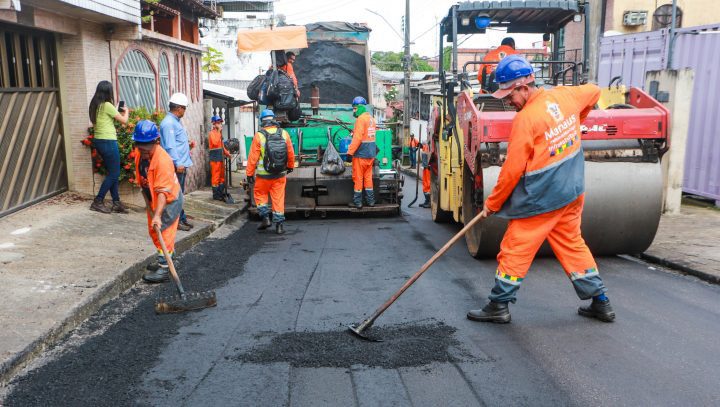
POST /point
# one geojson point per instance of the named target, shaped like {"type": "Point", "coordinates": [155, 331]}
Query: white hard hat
{"type": "Point", "coordinates": [179, 99]}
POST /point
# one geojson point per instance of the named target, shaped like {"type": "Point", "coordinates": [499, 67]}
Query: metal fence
{"type": "Point", "coordinates": [631, 56]}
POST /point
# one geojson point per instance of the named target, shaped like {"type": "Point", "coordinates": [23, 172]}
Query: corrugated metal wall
{"type": "Point", "coordinates": [698, 48]}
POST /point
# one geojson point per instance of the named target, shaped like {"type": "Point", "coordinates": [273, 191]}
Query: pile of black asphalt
{"type": "Point", "coordinates": [110, 366]}
{"type": "Point", "coordinates": [402, 345]}
{"type": "Point", "coordinates": [337, 70]}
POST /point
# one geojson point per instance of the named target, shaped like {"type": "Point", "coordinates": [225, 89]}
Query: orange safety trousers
{"type": "Point", "coordinates": [168, 235]}
{"type": "Point", "coordinates": [362, 173]}
{"type": "Point", "coordinates": [217, 171]}
{"type": "Point", "coordinates": [275, 188]}
{"type": "Point", "coordinates": [426, 180]}
{"type": "Point", "coordinates": [560, 227]}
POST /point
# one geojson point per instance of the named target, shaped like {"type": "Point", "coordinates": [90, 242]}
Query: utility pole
{"type": "Point", "coordinates": [594, 22]}
{"type": "Point", "coordinates": [406, 66]}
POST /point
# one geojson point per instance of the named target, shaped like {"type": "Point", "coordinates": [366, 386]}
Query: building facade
{"type": "Point", "coordinates": [54, 54]}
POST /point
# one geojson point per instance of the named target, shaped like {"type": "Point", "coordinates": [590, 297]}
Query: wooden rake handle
{"type": "Point", "coordinates": [169, 261]}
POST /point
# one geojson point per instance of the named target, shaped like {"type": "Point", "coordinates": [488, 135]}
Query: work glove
{"type": "Point", "coordinates": [289, 170]}
{"type": "Point", "coordinates": [348, 158]}
{"type": "Point", "coordinates": [251, 180]}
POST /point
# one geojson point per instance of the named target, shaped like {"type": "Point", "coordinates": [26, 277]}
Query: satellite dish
{"type": "Point", "coordinates": [662, 17]}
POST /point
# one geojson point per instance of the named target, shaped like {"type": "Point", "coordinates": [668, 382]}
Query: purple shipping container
{"type": "Point", "coordinates": [698, 48]}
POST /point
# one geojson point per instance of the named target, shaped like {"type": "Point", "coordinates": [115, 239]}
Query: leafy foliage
{"type": "Point", "coordinates": [393, 61]}
{"type": "Point", "coordinates": [211, 61]}
{"type": "Point", "coordinates": [125, 143]}
{"type": "Point", "coordinates": [391, 94]}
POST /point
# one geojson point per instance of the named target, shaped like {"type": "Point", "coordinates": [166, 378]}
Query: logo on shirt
{"type": "Point", "coordinates": [502, 54]}
{"type": "Point", "coordinates": [553, 110]}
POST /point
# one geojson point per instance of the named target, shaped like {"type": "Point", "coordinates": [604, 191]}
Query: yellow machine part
{"type": "Point", "coordinates": [611, 96]}
{"type": "Point", "coordinates": [450, 168]}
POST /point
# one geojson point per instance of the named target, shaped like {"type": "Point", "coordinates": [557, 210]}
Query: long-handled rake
{"type": "Point", "coordinates": [184, 301]}
{"type": "Point", "coordinates": [359, 329]}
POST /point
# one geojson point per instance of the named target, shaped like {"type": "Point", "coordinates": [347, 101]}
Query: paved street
{"type": "Point", "coordinates": [278, 334]}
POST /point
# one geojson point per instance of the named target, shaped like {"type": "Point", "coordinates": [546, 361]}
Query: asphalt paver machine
{"type": "Point", "coordinates": [623, 142]}
{"type": "Point", "coordinates": [326, 52]}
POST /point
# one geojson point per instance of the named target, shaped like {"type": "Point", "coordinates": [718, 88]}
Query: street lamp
{"type": "Point", "coordinates": [387, 22]}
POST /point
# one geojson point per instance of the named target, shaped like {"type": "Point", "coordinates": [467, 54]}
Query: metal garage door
{"type": "Point", "coordinates": [32, 158]}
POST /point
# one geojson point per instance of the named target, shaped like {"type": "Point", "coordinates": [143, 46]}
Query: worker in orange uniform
{"type": "Point", "coordinates": [506, 48]}
{"type": "Point", "coordinates": [413, 147]}
{"type": "Point", "coordinates": [155, 172]}
{"type": "Point", "coordinates": [541, 190]}
{"type": "Point", "coordinates": [425, 160]}
{"type": "Point", "coordinates": [273, 149]}
{"type": "Point", "coordinates": [362, 151]}
{"type": "Point", "coordinates": [290, 71]}
{"type": "Point", "coordinates": [218, 152]}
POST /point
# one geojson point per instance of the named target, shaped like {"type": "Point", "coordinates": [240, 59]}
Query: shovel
{"type": "Point", "coordinates": [359, 329]}
{"type": "Point", "coordinates": [184, 301]}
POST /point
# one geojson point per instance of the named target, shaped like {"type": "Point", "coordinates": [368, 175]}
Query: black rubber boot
{"type": "Point", "coordinates": [160, 275]}
{"type": "Point", "coordinates": [154, 266]}
{"type": "Point", "coordinates": [280, 229]}
{"type": "Point", "coordinates": [217, 193]}
{"type": "Point", "coordinates": [497, 312]}
{"type": "Point", "coordinates": [426, 204]}
{"type": "Point", "coordinates": [99, 206]}
{"type": "Point", "coordinates": [357, 200]}
{"type": "Point", "coordinates": [597, 309]}
{"type": "Point", "coordinates": [265, 223]}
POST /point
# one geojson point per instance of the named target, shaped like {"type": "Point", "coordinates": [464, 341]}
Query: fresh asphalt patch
{"type": "Point", "coordinates": [403, 345]}
{"type": "Point", "coordinates": [109, 363]}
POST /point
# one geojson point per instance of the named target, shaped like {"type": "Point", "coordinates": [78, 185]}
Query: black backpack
{"type": "Point", "coordinates": [282, 92]}
{"type": "Point", "coordinates": [276, 154]}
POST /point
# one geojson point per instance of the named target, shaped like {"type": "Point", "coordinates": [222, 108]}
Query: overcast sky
{"type": "Point", "coordinates": [424, 16]}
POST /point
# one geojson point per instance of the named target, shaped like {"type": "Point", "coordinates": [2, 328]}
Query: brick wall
{"type": "Point", "coordinates": [88, 58]}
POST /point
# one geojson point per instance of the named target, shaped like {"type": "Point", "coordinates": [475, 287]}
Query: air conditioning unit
{"type": "Point", "coordinates": [634, 17]}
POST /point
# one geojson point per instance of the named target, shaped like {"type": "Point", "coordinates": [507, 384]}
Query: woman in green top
{"type": "Point", "coordinates": [102, 114]}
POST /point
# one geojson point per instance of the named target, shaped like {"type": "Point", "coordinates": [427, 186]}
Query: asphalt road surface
{"type": "Point", "coordinates": [278, 336]}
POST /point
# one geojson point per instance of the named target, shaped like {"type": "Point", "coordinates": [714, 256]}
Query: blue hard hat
{"type": "Point", "coordinates": [266, 113]}
{"type": "Point", "coordinates": [145, 132]}
{"type": "Point", "coordinates": [216, 119]}
{"type": "Point", "coordinates": [512, 67]}
{"type": "Point", "coordinates": [359, 100]}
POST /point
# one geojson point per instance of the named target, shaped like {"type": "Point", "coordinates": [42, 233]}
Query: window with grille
{"type": "Point", "coordinates": [164, 81]}
{"type": "Point", "coordinates": [136, 77]}
{"type": "Point", "coordinates": [27, 60]}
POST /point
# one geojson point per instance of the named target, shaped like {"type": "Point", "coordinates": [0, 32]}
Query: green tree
{"type": "Point", "coordinates": [393, 61]}
{"type": "Point", "coordinates": [211, 61]}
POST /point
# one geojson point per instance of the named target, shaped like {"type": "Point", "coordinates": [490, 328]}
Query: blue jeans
{"type": "Point", "coordinates": [181, 180]}
{"type": "Point", "coordinates": [413, 156]}
{"type": "Point", "coordinates": [110, 153]}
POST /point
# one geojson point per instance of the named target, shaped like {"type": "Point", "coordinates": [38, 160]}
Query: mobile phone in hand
{"type": "Point", "coordinates": [121, 106]}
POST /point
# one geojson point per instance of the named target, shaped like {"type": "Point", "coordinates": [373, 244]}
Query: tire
{"type": "Point", "coordinates": [438, 215]}
{"type": "Point", "coordinates": [473, 237]}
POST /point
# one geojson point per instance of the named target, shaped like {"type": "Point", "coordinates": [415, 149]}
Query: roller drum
{"type": "Point", "coordinates": [623, 201]}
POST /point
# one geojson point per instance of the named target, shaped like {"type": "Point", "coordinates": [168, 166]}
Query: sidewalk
{"type": "Point", "coordinates": [688, 242]}
{"type": "Point", "coordinates": [60, 262]}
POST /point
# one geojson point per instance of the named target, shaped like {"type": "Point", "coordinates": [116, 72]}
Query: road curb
{"type": "Point", "coordinates": [104, 294]}
{"type": "Point", "coordinates": [682, 268]}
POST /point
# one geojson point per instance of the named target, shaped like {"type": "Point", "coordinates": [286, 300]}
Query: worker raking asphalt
{"type": "Point", "coordinates": [111, 363]}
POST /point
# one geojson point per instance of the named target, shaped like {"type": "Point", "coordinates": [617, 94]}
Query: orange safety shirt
{"type": "Point", "coordinates": [288, 68]}
{"type": "Point", "coordinates": [161, 179]}
{"type": "Point", "coordinates": [216, 146]}
{"type": "Point", "coordinates": [414, 142]}
{"type": "Point", "coordinates": [363, 141]}
{"type": "Point", "coordinates": [257, 153]}
{"type": "Point", "coordinates": [544, 168]}
{"type": "Point", "coordinates": [495, 55]}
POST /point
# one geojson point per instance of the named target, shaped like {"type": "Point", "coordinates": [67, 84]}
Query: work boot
{"type": "Point", "coordinates": [497, 312]}
{"type": "Point", "coordinates": [118, 207]}
{"type": "Point", "coordinates": [152, 266]}
{"type": "Point", "coordinates": [98, 205]}
{"type": "Point", "coordinates": [160, 275]}
{"type": "Point", "coordinates": [357, 201]}
{"type": "Point", "coordinates": [187, 223]}
{"type": "Point", "coordinates": [279, 229]}
{"type": "Point", "coordinates": [182, 226]}
{"type": "Point", "coordinates": [217, 193]}
{"type": "Point", "coordinates": [265, 223]}
{"type": "Point", "coordinates": [598, 309]}
{"type": "Point", "coordinates": [426, 204]}
{"type": "Point", "coordinates": [370, 197]}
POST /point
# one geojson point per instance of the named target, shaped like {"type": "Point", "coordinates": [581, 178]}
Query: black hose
{"type": "Point", "coordinates": [417, 180]}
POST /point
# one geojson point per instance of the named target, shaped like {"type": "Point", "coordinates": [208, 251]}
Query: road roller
{"type": "Point", "coordinates": [623, 139]}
